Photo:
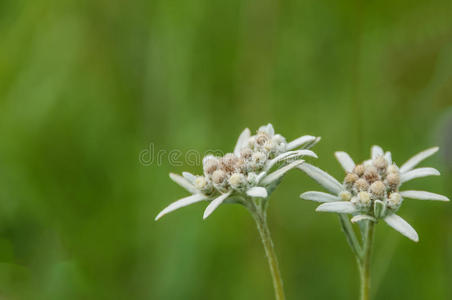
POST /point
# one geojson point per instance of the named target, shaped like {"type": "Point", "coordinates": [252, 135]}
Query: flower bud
{"type": "Point", "coordinates": [364, 198]}
{"type": "Point", "coordinates": [393, 169]}
{"type": "Point", "coordinates": [236, 180]}
{"type": "Point", "coordinates": [350, 178]}
{"type": "Point", "coordinates": [380, 163]}
{"type": "Point", "coordinates": [218, 177]}
{"type": "Point", "coordinates": [345, 195]}
{"type": "Point", "coordinates": [394, 200]}
{"type": "Point", "coordinates": [246, 153]}
{"type": "Point", "coordinates": [200, 182]}
{"type": "Point", "coordinates": [371, 174]}
{"type": "Point", "coordinates": [259, 157]}
{"type": "Point", "coordinates": [378, 189]}
{"type": "Point", "coordinates": [393, 180]}
{"type": "Point", "coordinates": [228, 162]}
{"type": "Point", "coordinates": [261, 139]}
{"type": "Point", "coordinates": [211, 164]}
{"type": "Point", "coordinates": [361, 185]}
{"type": "Point", "coordinates": [359, 170]}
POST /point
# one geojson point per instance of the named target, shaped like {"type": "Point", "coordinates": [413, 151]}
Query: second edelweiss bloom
{"type": "Point", "coordinates": [251, 171]}
{"type": "Point", "coordinates": [370, 191]}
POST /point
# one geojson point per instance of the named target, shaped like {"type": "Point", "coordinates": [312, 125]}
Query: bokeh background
{"type": "Point", "coordinates": [86, 86]}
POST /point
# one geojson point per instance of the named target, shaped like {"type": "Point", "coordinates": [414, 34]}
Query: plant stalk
{"type": "Point", "coordinates": [261, 221]}
{"type": "Point", "coordinates": [365, 264]}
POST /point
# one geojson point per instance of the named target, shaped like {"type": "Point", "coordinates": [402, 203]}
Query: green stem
{"type": "Point", "coordinates": [261, 221]}
{"type": "Point", "coordinates": [365, 264]}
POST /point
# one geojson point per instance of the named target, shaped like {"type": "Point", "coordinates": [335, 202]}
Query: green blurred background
{"type": "Point", "coordinates": [85, 86]}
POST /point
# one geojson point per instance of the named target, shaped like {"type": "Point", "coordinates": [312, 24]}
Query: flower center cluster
{"type": "Point", "coordinates": [373, 180]}
{"type": "Point", "coordinates": [239, 172]}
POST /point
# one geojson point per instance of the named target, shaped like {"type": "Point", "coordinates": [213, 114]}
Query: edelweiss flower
{"type": "Point", "coordinates": [245, 174]}
{"type": "Point", "coordinates": [370, 191]}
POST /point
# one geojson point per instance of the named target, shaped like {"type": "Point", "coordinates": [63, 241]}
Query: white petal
{"type": "Point", "coordinates": [360, 218]}
{"type": "Point", "coordinates": [319, 197]}
{"type": "Point", "coordinates": [376, 151]}
{"type": "Point", "coordinates": [415, 160]}
{"type": "Point", "coordinates": [258, 192]}
{"type": "Point", "coordinates": [189, 176]}
{"type": "Point", "coordinates": [243, 138]}
{"type": "Point", "coordinates": [207, 157]}
{"type": "Point", "coordinates": [268, 129]}
{"type": "Point", "coordinates": [289, 155]}
{"type": "Point", "coordinates": [402, 226]}
{"type": "Point", "coordinates": [183, 183]}
{"type": "Point", "coordinates": [345, 160]}
{"type": "Point", "coordinates": [325, 179]}
{"type": "Point", "coordinates": [388, 157]}
{"type": "Point", "coordinates": [341, 207]}
{"type": "Point", "coordinates": [279, 158]}
{"type": "Point", "coordinates": [181, 203]}
{"type": "Point", "coordinates": [367, 163]}
{"type": "Point", "coordinates": [214, 204]}
{"type": "Point", "coordinates": [417, 173]}
{"type": "Point", "coordinates": [280, 172]}
{"type": "Point", "coordinates": [422, 195]}
{"type": "Point", "coordinates": [301, 141]}
{"type": "Point", "coordinates": [305, 152]}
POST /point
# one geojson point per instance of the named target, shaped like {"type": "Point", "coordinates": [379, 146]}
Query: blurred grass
{"type": "Point", "coordinates": [86, 85]}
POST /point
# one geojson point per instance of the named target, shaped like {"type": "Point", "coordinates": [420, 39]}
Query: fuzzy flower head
{"type": "Point", "coordinates": [252, 170]}
{"type": "Point", "coordinates": [375, 179]}
{"type": "Point", "coordinates": [370, 190]}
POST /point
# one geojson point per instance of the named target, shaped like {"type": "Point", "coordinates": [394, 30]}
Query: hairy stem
{"type": "Point", "coordinates": [261, 221]}
{"type": "Point", "coordinates": [365, 264]}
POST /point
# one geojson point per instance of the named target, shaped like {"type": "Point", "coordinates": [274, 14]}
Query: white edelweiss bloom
{"type": "Point", "coordinates": [370, 190]}
{"type": "Point", "coordinates": [252, 170]}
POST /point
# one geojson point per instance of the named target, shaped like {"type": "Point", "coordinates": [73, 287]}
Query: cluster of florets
{"type": "Point", "coordinates": [373, 180]}
{"type": "Point", "coordinates": [239, 172]}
